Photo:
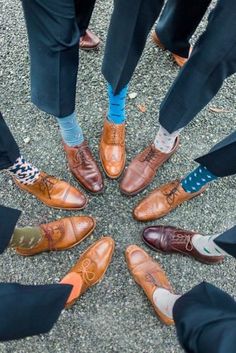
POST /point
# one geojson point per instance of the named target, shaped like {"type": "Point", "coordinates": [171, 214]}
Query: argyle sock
{"type": "Point", "coordinates": [116, 112]}
{"type": "Point", "coordinates": [26, 237]}
{"type": "Point", "coordinates": [194, 181]}
{"type": "Point", "coordinates": [164, 141]}
{"type": "Point", "coordinates": [24, 171]}
{"type": "Point", "coordinates": [165, 301]}
{"type": "Point", "coordinates": [205, 245]}
{"type": "Point", "coordinates": [70, 130]}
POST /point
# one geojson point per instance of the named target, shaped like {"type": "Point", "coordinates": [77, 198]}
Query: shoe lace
{"type": "Point", "coordinates": [170, 196]}
{"type": "Point", "coordinates": [151, 279]}
{"type": "Point", "coordinates": [184, 239]}
{"type": "Point", "coordinates": [47, 183]}
{"type": "Point", "coordinates": [82, 156]}
{"type": "Point", "coordinates": [116, 135]}
{"type": "Point", "coordinates": [150, 155]}
{"type": "Point", "coordinates": [83, 269]}
{"type": "Point", "coordinates": [50, 230]}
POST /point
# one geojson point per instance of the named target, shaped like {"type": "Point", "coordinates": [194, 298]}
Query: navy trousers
{"type": "Point", "coordinates": [54, 28]}
{"type": "Point", "coordinates": [205, 320]}
{"type": "Point", "coordinates": [178, 21]}
{"type": "Point", "coordinates": [211, 62]}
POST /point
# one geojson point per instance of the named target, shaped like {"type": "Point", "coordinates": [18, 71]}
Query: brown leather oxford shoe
{"type": "Point", "coordinates": [89, 41]}
{"type": "Point", "coordinates": [84, 167]}
{"type": "Point", "coordinates": [112, 149]}
{"type": "Point", "coordinates": [170, 240]}
{"type": "Point", "coordinates": [55, 193]}
{"type": "Point", "coordinates": [142, 170]}
{"type": "Point", "coordinates": [163, 200]}
{"type": "Point", "coordinates": [148, 275]}
{"type": "Point", "coordinates": [180, 60]}
{"type": "Point", "coordinates": [89, 269]}
{"type": "Point", "coordinates": [61, 235]}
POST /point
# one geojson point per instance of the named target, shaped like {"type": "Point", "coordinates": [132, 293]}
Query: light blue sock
{"type": "Point", "coordinates": [194, 181]}
{"type": "Point", "coordinates": [70, 130]}
{"type": "Point", "coordinates": [116, 112]}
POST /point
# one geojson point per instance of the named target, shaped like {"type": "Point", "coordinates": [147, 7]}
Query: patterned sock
{"type": "Point", "coordinates": [164, 141]}
{"type": "Point", "coordinates": [194, 181]}
{"type": "Point", "coordinates": [206, 245]}
{"type": "Point", "coordinates": [116, 112]}
{"type": "Point", "coordinates": [27, 237]}
{"type": "Point", "coordinates": [165, 301]}
{"type": "Point", "coordinates": [70, 130]}
{"type": "Point", "coordinates": [24, 172]}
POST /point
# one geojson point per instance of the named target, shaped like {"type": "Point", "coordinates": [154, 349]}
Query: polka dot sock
{"type": "Point", "coordinates": [24, 171]}
{"type": "Point", "coordinates": [205, 245]}
{"type": "Point", "coordinates": [194, 181]}
{"type": "Point", "coordinates": [165, 301]}
{"type": "Point", "coordinates": [116, 112]}
{"type": "Point", "coordinates": [164, 141]}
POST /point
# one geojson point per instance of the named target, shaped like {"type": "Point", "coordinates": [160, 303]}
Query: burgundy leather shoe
{"type": "Point", "coordinates": [84, 167]}
{"type": "Point", "coordinates": [89, 41]}
{"type": "Point", "coordinates": [170, 240]}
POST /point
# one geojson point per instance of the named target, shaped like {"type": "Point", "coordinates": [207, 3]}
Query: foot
{"type": "Point", "coordinates": [170, 240]}
{"type": "Point", "coordinates": [149, 275]}
{"type": "Point", "coordinates": [55, 193]}
{"type": "Point", "coordinates": [180, 60]}
{"type": "Point", "coordinates": [89, 41]}
{"type": "Point", "coordinates": [162, 201]}
{"type": "Point", "coordinates": [84, 167]}
{"type": "Point", "coordinates": [142, 170]}
{"type": "Point", "coordinates": [89, 269]}
{"type": "Point", "coordinates": [61, 235]}
{"type": "Point", "coordinates": [112, 149]}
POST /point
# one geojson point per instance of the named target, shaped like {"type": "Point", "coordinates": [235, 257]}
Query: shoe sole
{"type": "Point", "coordinates": [69, 305]}
{"type": "Point", "coordinates": [67, 248]}
{"type": "Point", "coordinates": [91, 49]}
{"type": "Point", "coordinates": [179, 253]}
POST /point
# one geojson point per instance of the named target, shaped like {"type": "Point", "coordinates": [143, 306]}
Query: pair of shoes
{"type": "Point", "coordinates": [180, 60]}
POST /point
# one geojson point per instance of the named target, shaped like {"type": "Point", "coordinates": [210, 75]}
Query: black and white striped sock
{"type": "Point", "coordinates": [24, 171]}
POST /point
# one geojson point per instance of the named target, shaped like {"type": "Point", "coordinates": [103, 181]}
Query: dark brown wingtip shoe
{"type": "Point", "coordinates": [170, 240]}
{"type": "Point", "coordinates": [149, 275]}
{"type": "Point", "coordinates": [61, 235]}
{"type": "Point", "coordinates": [84, 167]}
{"type": "Point", "coordinates": [55, 193]}
{"type": "Point", "coordinates": [112, 149]}
{"type": "Point", "coordinates": [163, 200]}
{"type": "Point", "coordinates": [142, 170]}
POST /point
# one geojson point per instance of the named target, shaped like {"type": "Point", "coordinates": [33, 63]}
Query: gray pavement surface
{"type": "Point", "coordinates": [114, 316]}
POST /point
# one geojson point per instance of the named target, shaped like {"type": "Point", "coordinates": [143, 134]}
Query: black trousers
{"type": "Point", "coordinates": [178, 22]}
{"type": "Point", "coordinates": [211, 62]}
{"type": "Point", "coordinates": [205, 320]}
{"type": "Point", "coordinates": [54, 29]}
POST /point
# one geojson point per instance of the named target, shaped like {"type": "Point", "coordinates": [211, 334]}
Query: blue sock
{"type": "Point", "coordinates": [116, 113]}
{"type": "Point", "coordinates": [194, 181]}
{"type": "Point", "coordinates": [70, 130]}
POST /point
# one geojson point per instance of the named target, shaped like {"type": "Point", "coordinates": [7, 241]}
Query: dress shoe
{"type": "Point", "coordinates": [142, 170]}
{"type": "Point", "coordinates": [55, 193]}
{"type": "Point", "coordinates": [180, 60]}
{"type": "Point", "coordinates": [170, 240]}
{"type": "Point", "coordinates": [89, 269]}
{"type": "Point", "coordinates": [163, 200]}
{"type": "Point", "coordinates": [89, 41]}
{"type": "Point", "coordinates": [149, 275]}
{"type": "Point", "coordinates": [112, 149]}
{"type": "Point", "coordinates": [61, 235]}
{"type": "Point", "coordinates": [84, 168]}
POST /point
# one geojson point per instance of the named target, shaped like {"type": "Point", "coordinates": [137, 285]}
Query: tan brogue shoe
{"type": "Point", "coordinates": [90, 268]}
{"type": "Point", "coordinates": [163, 200]}
{"type": "Point", "coordinates": [148, 275]}
{"type": "Point", "coordinates": [142, 170]}
{"type": "Point", "coordinates": [61, 235]}
{"type": "Point", "coordinates": [55, 193]}
{"type": "Point", "coordinates": [180, 60]}
{"type": "Point", "coordinates": [112, 149]}
{"type": "Point", "coordinates": [84, 167]}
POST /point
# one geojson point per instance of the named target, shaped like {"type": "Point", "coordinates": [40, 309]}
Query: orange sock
{"type": "Point", "coordinates": [75, 280]}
